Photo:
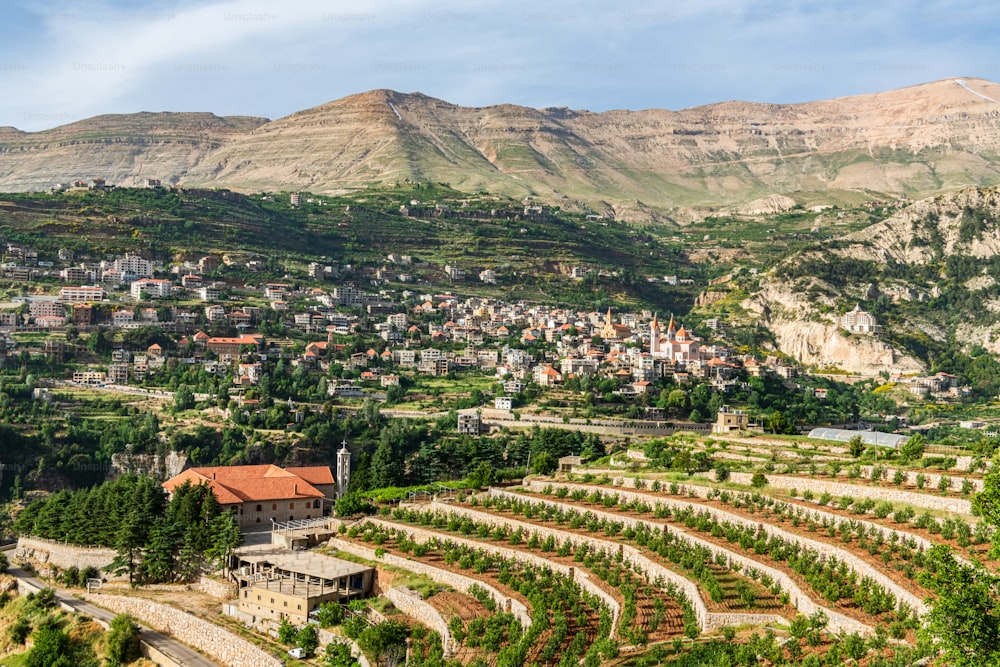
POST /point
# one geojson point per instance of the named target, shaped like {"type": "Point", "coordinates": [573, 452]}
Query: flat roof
{"type": "Point", "coordinates": [289, 586]}
{"type": "Point", "coordinates": [307, 563]}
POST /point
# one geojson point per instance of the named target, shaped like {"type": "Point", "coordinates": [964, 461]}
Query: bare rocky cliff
{"type": "Point", "coordinates": [920, 140]}
{"type": "Point", "coordinates": [816, 340]}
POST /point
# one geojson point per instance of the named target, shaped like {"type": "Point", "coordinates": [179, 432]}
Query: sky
{"type": "Point", "coordinates": [63, 61]}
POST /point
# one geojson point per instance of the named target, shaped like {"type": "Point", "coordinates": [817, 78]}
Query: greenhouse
{"type": "Point", "coordinates": [867, 437]}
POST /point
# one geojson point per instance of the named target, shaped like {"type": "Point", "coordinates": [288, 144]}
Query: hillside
{"type": "Point", "coordinates": [929, 273]}
{"type": "Point", "coordinates": [124, 148]}
{"type": "Point", "coordinates": [648, 164]}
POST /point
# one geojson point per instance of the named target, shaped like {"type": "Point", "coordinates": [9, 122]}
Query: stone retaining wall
{"type": "Point", "coordinates": [825, 549]}
{"type": "Point", "coordinates": [216, 642]}
{"type": "Point", "coordinates": [582, 578]}
{"type": "Point", "coordinates": [819, 486]}
{"type": "Point", "coordinates": [933, 478]}
{"type": "Point", "coordinates": [798, 598]}
{"type": "Point", "coordinates": [410, 603]}
{"type": "Point", "coordinates": [223, 590]}
{"type": "Point", "coordinates": [440, 575]}
{"type": "Point", "coordinates": [57, 554]}
{"type": "Point", "coordinates": [706, 620]}
{"type": "Point", "coordinates": [817, 514]}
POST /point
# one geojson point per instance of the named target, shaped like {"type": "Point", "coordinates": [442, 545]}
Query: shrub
{"type": "Point", "coordinates": [123, 641]}
{"type": "Point", "coordinates": [758, 481]}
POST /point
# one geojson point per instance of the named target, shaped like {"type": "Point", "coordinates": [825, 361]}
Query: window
{"type": "Point", "coordinates": [260, 507]}
{"type": "Point", "coordinates": [258, 598]}
{"type": "Point", "coordinates": [291, 506]}
{"type": "Point", "coordinates": [258, 519]}
{"type": "Point", "coordinates": [274, 506]}
{"type": "Point", "coordinates": [316, 503]}
{"type": "Point", "coordinates": [299, 607]}
{"type": "Point", "coordinates": [272, 600]}
{"type": "Point", "coordinates": [286, 603]}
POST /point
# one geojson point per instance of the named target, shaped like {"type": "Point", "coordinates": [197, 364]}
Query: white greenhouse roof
{"type": "Point", "coordinates": [867, 437]}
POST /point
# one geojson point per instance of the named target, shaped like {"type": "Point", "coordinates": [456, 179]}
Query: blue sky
{"type": "Point", "coordinates": [62, 61]}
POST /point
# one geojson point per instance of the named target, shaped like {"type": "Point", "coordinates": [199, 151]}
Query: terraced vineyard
{"type": "Point", "coordinates": [639, 567]}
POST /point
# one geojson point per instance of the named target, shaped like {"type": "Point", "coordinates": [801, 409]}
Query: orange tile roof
{"type": "Point", "coordinates": [239, 484]}
{"type": "Point", "coordinates": [314, 474]}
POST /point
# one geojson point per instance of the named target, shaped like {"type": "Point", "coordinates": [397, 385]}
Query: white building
{"type": "Point", "coordinates": [133, 267]}
{"type": "Point", "coordinates": [82, 294]}
{"type": "Point", "coordinates": [153, 289]}
{"type": "Point", "coordinates": [858, 321]}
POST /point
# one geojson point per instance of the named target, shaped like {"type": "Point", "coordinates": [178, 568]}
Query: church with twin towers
{"type": "Point", "coordinates": [675, 344]}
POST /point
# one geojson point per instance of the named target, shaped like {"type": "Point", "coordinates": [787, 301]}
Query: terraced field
{"type": "Point", "coordinates": [637, 567]}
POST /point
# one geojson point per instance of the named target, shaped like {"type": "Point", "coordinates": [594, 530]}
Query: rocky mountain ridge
{"type": "Point", "coordinates": [917, 141]}
{"type": "Point", "coordinates": [930, 272]}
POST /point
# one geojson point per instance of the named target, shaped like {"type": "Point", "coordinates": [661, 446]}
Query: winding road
{"type": "Point", "coordinates": [172, 648]}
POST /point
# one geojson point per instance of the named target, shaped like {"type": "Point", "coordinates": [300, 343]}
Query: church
{"type": "Point", "coordinates": [612, 331]}
{"type": "Point", "coordinates": [675, 345]}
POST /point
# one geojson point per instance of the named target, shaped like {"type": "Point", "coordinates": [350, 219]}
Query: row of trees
{"type": "Point", "coordinates": [156, 540]}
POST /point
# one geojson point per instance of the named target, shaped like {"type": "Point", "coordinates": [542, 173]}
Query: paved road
{"type": "Point", "coordinates": [169, 646]}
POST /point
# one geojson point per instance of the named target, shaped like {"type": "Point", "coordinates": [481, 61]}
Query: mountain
{"type": "Point", "coordinates": [930, 273]}
{"type": "Point", "coordinates": [125, 149]}
{"type": "Point", "coordinates": [915, 141]}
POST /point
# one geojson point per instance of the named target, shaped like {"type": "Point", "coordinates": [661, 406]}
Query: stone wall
{"type": "Point", "coordinates": [580, 577]}
{"type": "Point", "coordinates": [410, 603]}
{"type": "Point", "coordinates": [210, 639]}
{"type": "Point", "coordinates": [933, 478]}
{"type": "Point", "coordinates": [825, 549]}
{"type": "Point", "coordinates": [442, 576]}
{"type": "Point", "coordinates": [706, 620]}
{"type": "Point", "coordinates": [818, 514]}
{"type": "Point", "coordinates": [223, 590]}
{"type": "Point", "coordinates": [47, 554]}
{"type": "Point", "coordinates": [798, 598]}
{"type": "Point", "coordinates": [877, 493]}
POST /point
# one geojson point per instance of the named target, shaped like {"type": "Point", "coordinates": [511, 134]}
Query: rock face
{"type": "Point", "coordinates": [939, 256]}
{"type": "Point", "coordinates": [160, 467]}
{"type": "Point", "coordinates": [923, 139]}
{"type": "Point", "coordinates": [768, 205]}
{"type": "Point", "coordinates": [818, 341]}
{"type": "Point", "coordinates": [825, 345]}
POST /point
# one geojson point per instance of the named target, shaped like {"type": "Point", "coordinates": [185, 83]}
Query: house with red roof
{"type": "Point", "coordinates": [259, 494]}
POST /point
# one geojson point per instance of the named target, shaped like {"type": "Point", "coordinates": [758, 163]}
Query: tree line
{"type": "Point", "coordinates": [157, 540]}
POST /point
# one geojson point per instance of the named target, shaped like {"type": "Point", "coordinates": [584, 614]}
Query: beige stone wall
{"type": "Point", "coordinates": [223, 590]}
{"type": "Point", "coordinates": [892, 495]}
{"type": "Point", "coordinates": [825, 549]}
{"type": "Point", "coordinates": [706, 620]}
{"type": "Point", "coordinates": [798, 598]}
{"type": "Point", "coordinates": [933, 479]}
{"type": "Point", "coordinates": [210, 639]}
{"type": "Point", "coordinates": [410, 603]}
{"type": "Point", "coordinates": [817, 514]}
{"type": "Point", "coordinates": [442, 576]}
{"type": "Point", "coordinates": [580, 577]}
{"type": "Point", "coordinates": [47, 554]}
{"type": "Point", "coordinates": [653, 570]}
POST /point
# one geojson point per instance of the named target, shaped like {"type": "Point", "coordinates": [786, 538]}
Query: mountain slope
{"type": "Point", "coordinates": [124, 149]}
{"type": "Point", "coordinates": [916, 141]}
{"type": "Point", "coordinates": [930, 273]}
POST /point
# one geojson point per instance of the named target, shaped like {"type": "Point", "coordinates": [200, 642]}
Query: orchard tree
{"type": "Point", "coordinates": [964, 617]}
